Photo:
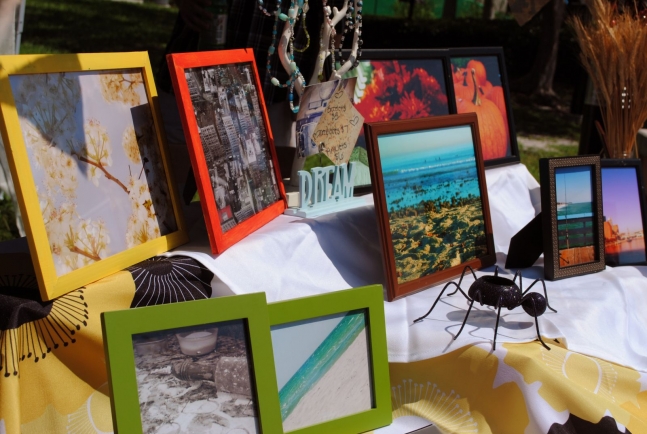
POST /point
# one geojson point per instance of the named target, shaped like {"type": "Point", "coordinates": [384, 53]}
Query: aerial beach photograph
{"type": "Point", "coordinates": [323, 369]}
{"type": "Point", "coordinates": [624, 241]}
{"type": "Point", "coordinates": [433, 199]}
{"type": "Point", "coordinates": [575, 225]}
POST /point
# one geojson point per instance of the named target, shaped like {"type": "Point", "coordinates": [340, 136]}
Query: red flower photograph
{"type": "Point", "coordinates": [396, 89]}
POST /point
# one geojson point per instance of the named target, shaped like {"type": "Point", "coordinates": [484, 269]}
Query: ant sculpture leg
{"type": "Point", "coordinates": [533, 284]}
{"type": "Point", "coordinates": [498, 315]}
{"type": "Point", "coordinates": [534, 304]}
{"type": "Point", "coordinates": [496, 327]}
{"type": "Point", "coordinates": [467, 267]}
{"type": "Point", "coordinates": [469, 309]}
{"type": "Point", "coordinates": [458, 288]}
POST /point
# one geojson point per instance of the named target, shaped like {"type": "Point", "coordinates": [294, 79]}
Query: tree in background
{"type": "Point", "coordinates": [539, 80]}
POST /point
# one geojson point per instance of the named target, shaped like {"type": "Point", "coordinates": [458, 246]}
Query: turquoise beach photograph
{"type": "Point", "coordinates": [575, 225]}
{"type": "Point", "coordinates": [433, 199]}
{"type": "Point", "coordinates": [323, 369]}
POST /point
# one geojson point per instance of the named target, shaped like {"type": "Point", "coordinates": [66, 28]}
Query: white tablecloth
{"type": "Point", "coordinates": [600, 315]}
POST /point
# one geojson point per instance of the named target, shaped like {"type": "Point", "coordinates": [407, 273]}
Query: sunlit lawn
{"type": "Point", "coordinates": [88, 26]}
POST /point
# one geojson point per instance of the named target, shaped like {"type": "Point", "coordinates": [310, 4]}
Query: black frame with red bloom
{"type": "Point", "coordinates": [488, 57]}
{"type": "Point", "coordinates": [427, 92]}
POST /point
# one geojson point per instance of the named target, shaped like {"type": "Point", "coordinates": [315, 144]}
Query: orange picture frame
{"type": "Point", "coordinates": [233, 158]}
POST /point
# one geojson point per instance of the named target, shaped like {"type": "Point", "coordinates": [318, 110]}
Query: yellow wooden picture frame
{"type": "Point", "coordinates": [52, 281]}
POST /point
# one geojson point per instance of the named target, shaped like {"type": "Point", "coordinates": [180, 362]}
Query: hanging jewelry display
{"type": "Point", "coordinates": [352, 13]}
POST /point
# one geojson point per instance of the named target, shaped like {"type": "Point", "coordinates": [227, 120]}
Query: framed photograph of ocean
{"type": "Point", "coordinates": [398, 84]}
{"type": "Point", "coordinates": [623, 207]}
{"type": "Point", "coordinates": [430, 199]}
{"type": "Point", "coordinates": [572, 218]}
{"type": "Point", "coordinates": [331, 362]}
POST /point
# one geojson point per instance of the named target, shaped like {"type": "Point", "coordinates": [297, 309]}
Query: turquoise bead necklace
{"type": "Point", "coordinates": [295, 11]}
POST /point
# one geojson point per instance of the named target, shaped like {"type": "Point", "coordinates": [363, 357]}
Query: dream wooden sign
{"type": "Point", "coordinates": [324, 190]}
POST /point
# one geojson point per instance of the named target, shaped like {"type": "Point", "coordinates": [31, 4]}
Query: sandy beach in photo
{"type": "Point", "coordinates": [433, 200]}
{"type": "Point", "coordinates": [425, 242]}
{"type": "Point", "coordinates": [344, 390]}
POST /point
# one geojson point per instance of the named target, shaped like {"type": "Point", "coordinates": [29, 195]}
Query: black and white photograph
{"type": "Point", "coordinates": [196, 380]}
{"type": "Point", "coordinates": [234, 139]}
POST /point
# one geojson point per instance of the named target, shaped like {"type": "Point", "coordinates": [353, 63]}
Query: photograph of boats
{"type": "Point", "coordinates": [575, 220]}
{"type": "Point", "coordinates": [433, 199]}
{"type": "Point", "coordinates": [624, 241]}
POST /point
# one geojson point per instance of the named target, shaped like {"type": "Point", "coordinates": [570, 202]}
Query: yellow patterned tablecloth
{"type": "Point", "coordinates": [53, 376]}
{"type": "Point", "coordinates": [523, 388]}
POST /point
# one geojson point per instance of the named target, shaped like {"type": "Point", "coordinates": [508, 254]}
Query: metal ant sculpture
{"type": "Point", "coordinates": [499, 292]}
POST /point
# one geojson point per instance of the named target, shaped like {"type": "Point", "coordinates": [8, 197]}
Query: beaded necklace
{"type": "Point", "coordinates": [305, 28]}
{"type": "Point", "coordinates": [357, 26]}
{"type": "Point", "coordinates": [293, 15]}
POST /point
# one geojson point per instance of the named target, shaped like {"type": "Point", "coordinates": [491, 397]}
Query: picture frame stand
{"type": "Point", "coordinates": [526, 245]}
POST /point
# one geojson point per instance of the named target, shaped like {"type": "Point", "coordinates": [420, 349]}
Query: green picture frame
{"type": "Point", "coordinates": [303, 311]}
{"type": "Point", "coordinates": [120, 326]}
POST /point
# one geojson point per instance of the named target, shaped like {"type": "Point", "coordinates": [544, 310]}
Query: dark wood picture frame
{"type": "Point", "coordinates": [630, 165]}
{"type": "Point", "coordinates": [373, 131]}
{"type": "Point", "coordinates": [497, 52]}
{"type": "Point", "coordinates": [221, 239]}
{"type": "Point", "coordinates": [552, 268]}
{"type": "Point", "coordinates": [406, 55]}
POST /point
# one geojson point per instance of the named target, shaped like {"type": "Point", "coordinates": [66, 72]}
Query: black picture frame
{"type": "Point", "coordinates": [436, 245]}
{"type": "Point", "coordinates": [413, 58]}
{"type": "Point", "coordinates": [496, 52]}
{"type": "Point", "coordinates": [623, 184]}
{"type": "Point", "coordinates": [565, 207]}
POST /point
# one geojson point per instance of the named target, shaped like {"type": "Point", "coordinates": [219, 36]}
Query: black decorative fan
{"type": "Point", "coordinates": [162, 280]}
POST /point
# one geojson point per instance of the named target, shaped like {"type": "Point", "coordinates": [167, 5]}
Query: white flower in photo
{"type": "Point", "coordinates": [122, 88]}
{"type": "Point", "coordinates": [141, 231]}
{"type": "Point", "coordinates": [97, 151]}
{"type": "Point", "coordinates": [59, 172]}
{"type": "Point", "coordinates": [130, 145]}
{"type": "Point", "coordinates": [88, 242]}
{"type": "Point", "coordinates": [144, 222]}
{"type": "Point", "coordinates": [58, 222]}
{"type": "Point", "coordinates": [46, 104]}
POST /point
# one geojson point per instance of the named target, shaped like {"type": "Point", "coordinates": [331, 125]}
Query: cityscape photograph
{"type": "Point", "coordinates": [235, 141]}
